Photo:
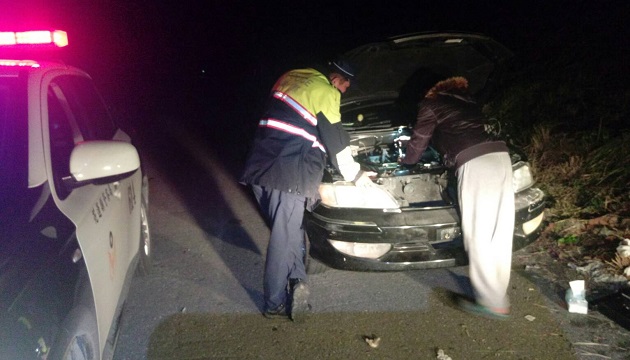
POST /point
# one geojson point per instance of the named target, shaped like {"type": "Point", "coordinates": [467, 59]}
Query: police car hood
{"type": "Point", "coordinates": [398, 66]}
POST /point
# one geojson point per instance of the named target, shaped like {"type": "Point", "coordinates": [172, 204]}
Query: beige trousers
{"type": "Point", "coordinates": [486, 200]}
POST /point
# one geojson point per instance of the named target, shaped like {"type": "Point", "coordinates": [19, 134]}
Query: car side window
{"type": "Point", "coordinates": [62, 139]}
{"type": "Point", "coordinates": [76, 113]}
{"type": "Point", "coordinates": [87, 107]}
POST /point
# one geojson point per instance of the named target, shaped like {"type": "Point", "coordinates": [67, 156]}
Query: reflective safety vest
{"type": "Point", "coordinates": [300, 125]}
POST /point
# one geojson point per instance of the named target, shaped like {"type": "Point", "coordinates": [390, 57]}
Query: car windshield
{"type": "Point", "coordinates": [13, 128]}
{"type": "Point", "coordinates": [13, 151]}
{"type": "Point", "coordinates": [374, 115]}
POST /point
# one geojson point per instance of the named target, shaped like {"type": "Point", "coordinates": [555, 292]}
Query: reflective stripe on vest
{"type": "Point", "coordinates": [288, 128]}
{"type": "Point", "coordinates": [296, 106]}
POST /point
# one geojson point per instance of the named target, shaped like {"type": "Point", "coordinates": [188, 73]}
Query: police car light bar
{"type": "Point", "coordinates": [24, 63]}
{"type": "Point", "coordinates": [56, 38]}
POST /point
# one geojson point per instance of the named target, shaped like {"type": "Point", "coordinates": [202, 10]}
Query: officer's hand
{"type": "Point", "coordinates": [364, 180]}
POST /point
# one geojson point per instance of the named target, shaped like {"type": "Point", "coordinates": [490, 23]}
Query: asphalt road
{"type": "Point", "coordinates": [204, 296]}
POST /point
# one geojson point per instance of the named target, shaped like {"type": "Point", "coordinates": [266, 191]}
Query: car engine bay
{"type": "Point", "coordinates": [427, 183]}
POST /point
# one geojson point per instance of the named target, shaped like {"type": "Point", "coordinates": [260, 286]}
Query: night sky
{"type": "Point", "coordinates": [148, 53]}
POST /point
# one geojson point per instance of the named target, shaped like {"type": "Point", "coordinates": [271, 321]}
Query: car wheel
{"type": "Point", "coordinates": [144, 265]}
{"type": "Point", "coordinates": [78, 336]}
{"type": "Point", "coordinates": [312, 265]}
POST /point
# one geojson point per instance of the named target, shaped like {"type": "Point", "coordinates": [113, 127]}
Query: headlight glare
{"type": "Point", "coordinates": [363, 250]}
{"type": "Point", "coordinates": [347, 195]}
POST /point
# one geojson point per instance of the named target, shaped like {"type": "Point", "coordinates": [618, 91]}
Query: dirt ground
{"type": "Point", "coordinates": [533, 332]}
{"type": "Point", "coordinates": [540, 326]}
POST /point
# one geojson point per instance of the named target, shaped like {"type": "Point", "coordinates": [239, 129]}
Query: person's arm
{"type": "Point", "coordinates": [422, 133]}
{"type": "Point", "coordinates": [337, 143]}
{"type": "Point", "coordinates": [336, 139]}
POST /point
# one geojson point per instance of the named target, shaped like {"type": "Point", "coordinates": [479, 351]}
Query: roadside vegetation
{"type": "Point", "coordinates": [568, 106]}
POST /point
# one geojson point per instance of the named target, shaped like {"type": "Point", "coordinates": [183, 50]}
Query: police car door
{"type": "Point", "coordinates": [104, 213]}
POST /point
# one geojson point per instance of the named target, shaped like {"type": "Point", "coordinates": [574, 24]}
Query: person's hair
{"type": "Point", "coordinates": [457, 84]}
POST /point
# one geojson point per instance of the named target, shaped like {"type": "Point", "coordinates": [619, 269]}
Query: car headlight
{"type": "Point", "coordinates": [364, 250]}
{"type": "Point", "coordinates": [521, 176]}
{"type": "Point", "coordinates": [347, 195]}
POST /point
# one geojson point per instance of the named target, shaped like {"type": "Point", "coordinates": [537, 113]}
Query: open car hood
{"type": "Point", "coordinates": [394, 66]}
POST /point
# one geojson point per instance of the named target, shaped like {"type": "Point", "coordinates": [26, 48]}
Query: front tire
{"type": "Point", "coordinates": [78, 337]}
{"type": "Point", "coordinates": [312, 265]}
{"type": "Point", "coordinates": [144, 262]}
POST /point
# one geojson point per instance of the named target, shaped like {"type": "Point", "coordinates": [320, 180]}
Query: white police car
{"type": "Point", "coordinates": [73, 207]}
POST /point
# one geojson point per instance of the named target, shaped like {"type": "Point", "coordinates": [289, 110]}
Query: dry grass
{"type": "Point", "coordinates": [583, 177]}
{"type": "Point", "coordinates": [618, 263]}
{"type": "Point", "coordinates": [587, 182]}
{"type": "Point", "coordinates": [569, 108]}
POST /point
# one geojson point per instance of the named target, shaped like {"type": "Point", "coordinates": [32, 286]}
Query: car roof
{"type": "Point", "coordinates": [389, 67]}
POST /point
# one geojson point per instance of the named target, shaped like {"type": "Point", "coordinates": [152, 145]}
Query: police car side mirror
{"type": "Point", "coordinates": [101, 161]}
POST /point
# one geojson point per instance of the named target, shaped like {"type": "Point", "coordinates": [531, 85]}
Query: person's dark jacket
{"type": "Point", "coordinates": [454, 124]}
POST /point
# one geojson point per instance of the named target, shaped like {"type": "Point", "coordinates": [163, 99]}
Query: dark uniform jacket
{"type": "Point", "coordinates": [454, 124]}
{"type": "Point", "coordinates": [300, 126]}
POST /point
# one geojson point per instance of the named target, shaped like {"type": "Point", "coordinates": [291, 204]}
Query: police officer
{"type": "Point", "coordinates": [298, 133]}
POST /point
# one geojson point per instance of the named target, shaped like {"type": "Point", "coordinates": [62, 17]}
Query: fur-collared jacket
{"type": "Point", "coordinates": [453, 123]}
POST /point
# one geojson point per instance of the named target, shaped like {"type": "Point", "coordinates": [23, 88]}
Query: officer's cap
{"type": "Point", "coordinates": [343, 67]}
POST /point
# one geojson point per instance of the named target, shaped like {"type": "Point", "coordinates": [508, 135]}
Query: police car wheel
{"type": "Point", "coordinates": [144, 263]}
{"type": "Point", "coordinates": [78, 337]}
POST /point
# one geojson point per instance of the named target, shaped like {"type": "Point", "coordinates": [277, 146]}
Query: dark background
{"type": "Point", "coordinates": [214, 61]}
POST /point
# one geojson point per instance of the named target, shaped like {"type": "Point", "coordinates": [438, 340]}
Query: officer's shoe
{"type": "Point", "coordinates": [299, 300]}
{"type": "Point", "coordinates": [280, 312]}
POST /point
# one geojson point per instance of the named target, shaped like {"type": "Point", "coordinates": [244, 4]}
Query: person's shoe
{"type": "Point", "coordinates": [280, 312]}
{"type": "Point", "coordinates": [474, 308]}
{"type": "Point", "coordinates": [299, 300]}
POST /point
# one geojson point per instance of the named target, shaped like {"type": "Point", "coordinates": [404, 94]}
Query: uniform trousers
{"type": "Point", "coordinates": [486, 200]}
{"type": "Point", "coordinates": [284, 213]}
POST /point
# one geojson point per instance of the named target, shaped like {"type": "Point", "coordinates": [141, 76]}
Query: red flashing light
{"type": "Point", "coordinates": [24, 63]}
{"type": "Point", "coordinates": [56, 38]}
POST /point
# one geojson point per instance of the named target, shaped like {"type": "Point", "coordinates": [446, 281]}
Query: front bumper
{"type": "Point", "coordinates": [418, 238]}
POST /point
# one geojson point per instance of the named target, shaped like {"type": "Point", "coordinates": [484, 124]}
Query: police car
{"type": "Point", "coordinates": [73, 207]}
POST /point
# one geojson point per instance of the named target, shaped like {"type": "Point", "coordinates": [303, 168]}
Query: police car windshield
{"type": "Point", "coordinates": [13, 138]}
{"type": "Point", "coordinates": [16, 200]}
